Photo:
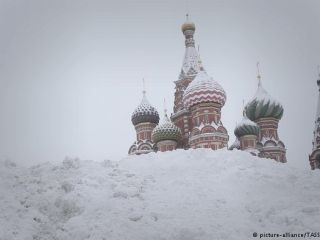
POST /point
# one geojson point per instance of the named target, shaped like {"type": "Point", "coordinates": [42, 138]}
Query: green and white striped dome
{"type": "Point", "coordinates": [166, 131]}
{"type": "Point", "coordinates": [246, 127]}
{"type": "Point", "coordinates": [263, 105]}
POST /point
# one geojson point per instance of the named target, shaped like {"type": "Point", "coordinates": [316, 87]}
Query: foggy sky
{"type": "Point", "coordinates": [71, 71]}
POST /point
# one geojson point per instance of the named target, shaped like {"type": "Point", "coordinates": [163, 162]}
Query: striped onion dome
{"type": "Point", "coordinates": [246, 127]}
{"type": "Point", "coordinates": [203, 89]}
{"type": "Point", "coordinates": [166, 131]}
{"type": "Point", "coordinates": [145, 113]}
{"type": "Point", "coordinates": [263, 105]}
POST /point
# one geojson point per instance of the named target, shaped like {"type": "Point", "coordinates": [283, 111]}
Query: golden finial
{"type": "Point", "coordinates": [259, 75]}
{"type": "Point", "coordinates": [187, 8]}
{"type": "Point", "coordinates": [188, 25]}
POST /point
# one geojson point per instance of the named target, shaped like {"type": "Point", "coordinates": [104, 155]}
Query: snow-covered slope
{"type": "Point", "coordinates": [183, 195]}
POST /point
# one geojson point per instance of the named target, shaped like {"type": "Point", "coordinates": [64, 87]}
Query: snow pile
{"type": "Point", "coordinates": [180, 195]}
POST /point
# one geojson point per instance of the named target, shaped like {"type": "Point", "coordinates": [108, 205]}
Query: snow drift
{"type": "Point", "coordinates": [183, 195]}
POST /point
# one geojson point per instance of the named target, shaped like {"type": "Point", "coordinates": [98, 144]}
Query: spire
{"type": "Point", "coordinates": [144, 99]}
{"type": "Point", "coordinates": [166, 119]}
{"type": "Point", "coordinates": [191, 64]}
{"type": "Point", "coordinates": [144, 87]}
{"type": "Point", "coordinates": [187, 10]}
{"type": "Point", "coordinates": [199, 61]}
{"type": "Point", "coordinates": [244, 110]}
{"type": "Point", "coordinates": [258, 74]}
{"type": "Point", "coordinates": [165, 107]}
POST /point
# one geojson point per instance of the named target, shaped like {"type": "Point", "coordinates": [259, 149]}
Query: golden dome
{"type": "Point", "coordinates": [188, 26]}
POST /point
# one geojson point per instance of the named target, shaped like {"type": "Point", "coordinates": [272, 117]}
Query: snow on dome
{"type": "Point", "coordinates": [246, 127]}
{"type": "Point", "coordinates": [191, 64]}
{"type": "Point", "coordinates": [203, 89]}
{"type": "Point", "coordinates": [263, 105]}
{"type": "Point", "coordinates": [166, 131]}
{"type": "Point", "coordinates": [145, 113]}
{"type": "Point", "coordinates": [188, 26]}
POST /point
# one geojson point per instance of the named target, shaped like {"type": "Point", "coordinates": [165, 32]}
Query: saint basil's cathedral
{"type": "Point", "coordinates": [196, 118]}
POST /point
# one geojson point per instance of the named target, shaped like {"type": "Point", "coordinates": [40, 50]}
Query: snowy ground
{"type": "Point", "coordinates": [180, 195]}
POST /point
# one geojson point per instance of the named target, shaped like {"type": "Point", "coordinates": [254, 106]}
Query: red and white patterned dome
{"type": "Point", "coordinates": [203, 89]}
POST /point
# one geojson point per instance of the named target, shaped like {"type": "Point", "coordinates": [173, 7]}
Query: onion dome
{"type": "Point", "coordinates": [246, 127]}
{"type": "Point", "coordinates": [263, 105]}
{"type": "Point", "coordinates": [188, 26]}
{"type": "Point", "coordinates": [166, 131]}
{"type": "Point", "coordinates": [203, 89]}
{"type": "Point", "coordinates": [235, 145]}
{"type": "Point", "coordinates": [145, 112]}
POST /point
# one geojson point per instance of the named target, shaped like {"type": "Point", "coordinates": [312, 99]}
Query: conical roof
{"type": "Point", "coordinates": [191, 64]}
{"type": "Point", "coordinates": [203, 89]}
{"type": "Point", "coordinates": [166, 131]}
{"type": "Point", "coordinates": [145, 112]}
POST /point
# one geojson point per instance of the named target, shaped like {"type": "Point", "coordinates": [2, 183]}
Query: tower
{"type": "Point", "coordinates": [166, 135]}
{"type": "Point", "coordinates": [314, 157]}
{"type": "Point", "coordinates": [266, 112]}
{"type": "Point", "coordinates": [144, 118]}
{"type": "Point", "coordinates": [191, 65]}
{"type": "Point", "coordinates": [204, 98]}
{"type": "Point", "coordinates": [198, 100]}
{"type": "Point", "coordinates": [246, 132]}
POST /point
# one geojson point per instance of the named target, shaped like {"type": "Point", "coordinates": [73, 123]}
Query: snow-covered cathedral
{"type": "Point", "coordinates": [196, 118]}
{"type": "Point", "coordinates": [257, 133]}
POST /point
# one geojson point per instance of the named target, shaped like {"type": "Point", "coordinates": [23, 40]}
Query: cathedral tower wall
{"type": "Point", "coordinates": [271, 145]}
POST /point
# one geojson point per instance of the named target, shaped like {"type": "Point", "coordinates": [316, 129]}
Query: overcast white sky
{"type": "Point", "coordinates": [70, 71]}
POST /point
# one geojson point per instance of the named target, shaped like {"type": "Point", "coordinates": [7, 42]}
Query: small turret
{"type": "Point", "coordinates": [166, 135]}
{"type": "Point", "coordinates": [247, 132]}
{"type": "Point", "coordinates": [266, 112]}
{"type": "Point", "coordinates": [144, 118]}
